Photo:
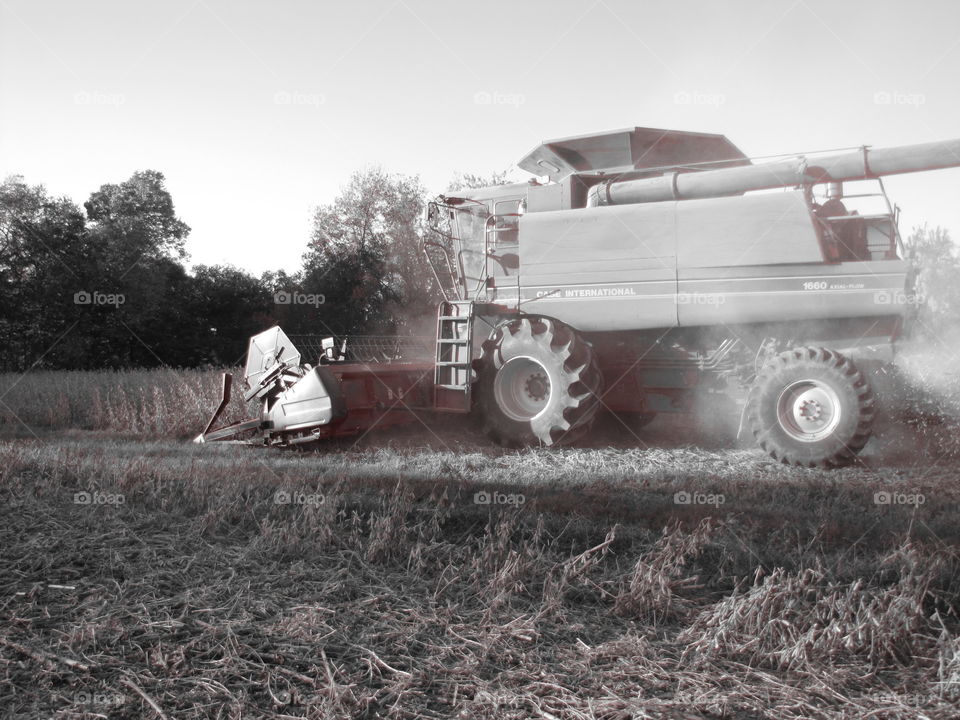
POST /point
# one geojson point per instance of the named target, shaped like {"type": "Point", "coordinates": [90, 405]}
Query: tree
{"type": "Point", "coordinates": [465, 180]}
{"type": "Point", "coordinates": [136, 219]}
{"type": "Point", "coordinates": [935, 265]}
{"type": "Point", "coordinates": [234, 305]}
{"type": "Point", "coordinates": [364, 256]}
{"type": "Point", "coordinates": [44, 261]}
{"type": "Point", "coordinates": [137, 242]}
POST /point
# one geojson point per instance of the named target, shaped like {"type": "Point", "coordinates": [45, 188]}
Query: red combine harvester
{"type": "Point", "coordinates": [652, 269]}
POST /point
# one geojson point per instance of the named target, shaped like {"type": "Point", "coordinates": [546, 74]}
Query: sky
{"type": "Point", "coordinates": [256, 113]}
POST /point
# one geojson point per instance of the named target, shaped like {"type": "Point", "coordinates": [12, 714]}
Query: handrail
{"type": "Point", "coordinates": [424, 244]}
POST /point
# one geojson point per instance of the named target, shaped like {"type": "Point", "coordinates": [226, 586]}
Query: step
{"type": "Point", "coordinates": [454, 341]}
{"type": "Point", "coordinates": [458, 318]}
{"type": "Point", "coordinates": [453, 363]}
{"type": "Point", "coordinates": [452, 387]}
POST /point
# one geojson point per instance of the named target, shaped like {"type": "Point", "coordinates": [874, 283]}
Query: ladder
{"type": "Point", "coordinates": [453, 374]}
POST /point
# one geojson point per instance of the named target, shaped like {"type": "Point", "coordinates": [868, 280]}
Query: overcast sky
{"type": "Point", "coordinates": [258, 112]}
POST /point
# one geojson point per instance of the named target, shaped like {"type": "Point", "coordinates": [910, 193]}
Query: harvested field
{"type": "Point", "coordinates": [425, 574]}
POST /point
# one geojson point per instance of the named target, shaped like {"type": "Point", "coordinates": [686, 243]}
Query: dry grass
{"type": "Point", "coordinates": [397, 596]}
{"type": "Point", "coordinates": [654, 589]}
{"type": "Point", "coordinates": [384, 590]}
{"type": "Point", "coordinates": [948, 667]}
{"type": "Point", "coordinates": [146, 403]}
{"type": "Point", "coordinates": [795, 621]}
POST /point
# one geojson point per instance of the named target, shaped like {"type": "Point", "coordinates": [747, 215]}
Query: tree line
{"type": "Point", "coordinates": [106, 285]}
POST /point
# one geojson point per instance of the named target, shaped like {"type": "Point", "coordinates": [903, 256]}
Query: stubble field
{"type": "Point", "coordinates": [423, 573]}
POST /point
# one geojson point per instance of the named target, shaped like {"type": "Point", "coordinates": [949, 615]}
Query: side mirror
{"type": "Point", "coordinates": [508, 261]}
{"type": "Point", "coordinates": [433, 212]}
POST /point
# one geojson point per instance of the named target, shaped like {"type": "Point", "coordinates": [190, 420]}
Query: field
{"type": "Point", "coordinates": [424, 574]}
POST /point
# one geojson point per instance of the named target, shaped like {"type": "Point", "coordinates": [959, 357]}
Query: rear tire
{"type": "Point", "coordinates": [538, 382]}
{"type": "Point", "coordinates": [811, 407]}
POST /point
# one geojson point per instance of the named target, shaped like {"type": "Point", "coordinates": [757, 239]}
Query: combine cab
{"type": "Point", "coordinates": [654, 267]}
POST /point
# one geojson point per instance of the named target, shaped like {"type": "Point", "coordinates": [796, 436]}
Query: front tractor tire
{"type": "Point", "coordinates": [538, 382]}
{"type": "Point", "coordinates": [811, 407]}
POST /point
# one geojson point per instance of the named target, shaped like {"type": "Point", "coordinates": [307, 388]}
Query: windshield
{"type": "Point", "coordinates": [471, 224]}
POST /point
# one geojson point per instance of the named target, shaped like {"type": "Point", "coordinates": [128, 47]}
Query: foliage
{"type": "Point", "coordinates": [935, 263]}
{"type": "Point", "coordinates": [466, 180]}
{"type": "Point", "coordinates": [364, 256]}
{"type": "Point", "coordinates": [136, 219]}
{"type": "Point", "coordinates": [109, 288]}
{"type": "Point", "coordinates": [234, 306]}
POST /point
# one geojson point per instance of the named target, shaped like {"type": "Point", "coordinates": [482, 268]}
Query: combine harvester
{"type": "Point", "coordinates": [654, 268]}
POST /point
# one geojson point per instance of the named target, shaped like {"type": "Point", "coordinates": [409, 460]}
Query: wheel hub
{"type": "Point", "coordinates": [522, 388]}
{"type": "Point", "coordinates": [809, 410]}
{"type": "Point", "coordinates": [537, 386]}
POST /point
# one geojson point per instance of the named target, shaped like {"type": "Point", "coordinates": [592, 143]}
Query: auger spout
{"type": "Point", "coordinates": [860, 164]}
